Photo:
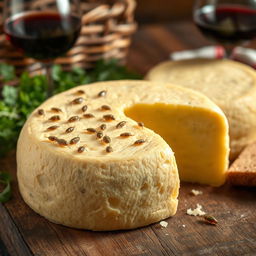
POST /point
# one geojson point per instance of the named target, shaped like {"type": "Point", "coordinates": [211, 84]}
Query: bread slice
{"type": "Point", "coordinates": [229, 84]}
{"type": "Point", "coordinates": [243, 171]}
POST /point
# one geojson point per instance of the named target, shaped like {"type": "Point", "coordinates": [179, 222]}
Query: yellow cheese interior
{"type": "Point", "coordinates": [196, 135]}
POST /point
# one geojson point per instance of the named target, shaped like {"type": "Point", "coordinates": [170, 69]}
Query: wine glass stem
{"type": "Point", "coordinates": [48, 73]}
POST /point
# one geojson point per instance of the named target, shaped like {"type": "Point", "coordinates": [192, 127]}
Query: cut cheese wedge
{"type": "Point", "coordinates": [231, 85]}
{"type": "Point", "coordinates": [84, 159]}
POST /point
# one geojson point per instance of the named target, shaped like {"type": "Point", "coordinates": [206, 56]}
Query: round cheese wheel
{"type": "Point", "coordinates": [231, 85]}
{"type": "Point", "coordinates": [83, 161]}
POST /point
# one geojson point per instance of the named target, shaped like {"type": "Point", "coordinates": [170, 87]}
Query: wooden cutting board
{"type": "Point", "coordinates": [23, 232]}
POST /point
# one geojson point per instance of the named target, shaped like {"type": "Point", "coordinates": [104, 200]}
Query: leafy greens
{"type": "Point", "coordinates": [5, 179]}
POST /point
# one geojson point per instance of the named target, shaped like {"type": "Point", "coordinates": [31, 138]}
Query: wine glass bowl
{"type": "Point", "coordinates": [42, 35]}
{"type": "Point", "coordinates": [229, 22]}
{"type": "Point", "coordinates": [42, 30]}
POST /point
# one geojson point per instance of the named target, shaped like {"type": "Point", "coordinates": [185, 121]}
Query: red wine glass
{"type": "Point", "coordinates": [229, 22]}
{"type": "Point", "coordinates": [42, 29]}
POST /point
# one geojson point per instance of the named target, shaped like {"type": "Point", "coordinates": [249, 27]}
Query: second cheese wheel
{"type": "Point", "coordinates": [231, 85]}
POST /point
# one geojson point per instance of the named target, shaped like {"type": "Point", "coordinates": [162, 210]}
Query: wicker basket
{"type": "Point", "coordinates": [106, 32]}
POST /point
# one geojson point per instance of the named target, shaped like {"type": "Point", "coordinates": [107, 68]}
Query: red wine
{"type": "Point", "coordinates": [227, 23]}
{"type": "Point", "coordinates": [42, 35]}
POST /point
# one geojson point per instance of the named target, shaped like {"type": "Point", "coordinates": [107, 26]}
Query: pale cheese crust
{"type": "Point", "coordinates": [231, 85]}
{"type": "Point", "coordinates": [133, 186]}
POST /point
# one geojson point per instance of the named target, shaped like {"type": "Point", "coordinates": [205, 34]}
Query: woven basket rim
{"type": "Point", "coordinates": [106, 33]}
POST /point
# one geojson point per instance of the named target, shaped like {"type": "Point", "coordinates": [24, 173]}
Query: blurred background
{"type": "Point", "coordinates": [159, 11]}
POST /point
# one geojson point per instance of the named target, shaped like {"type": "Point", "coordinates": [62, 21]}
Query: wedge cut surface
{"type": "Point", "coordinates": [197, 137]}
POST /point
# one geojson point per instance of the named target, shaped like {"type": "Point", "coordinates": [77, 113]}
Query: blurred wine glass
{"type": "Point", "coordinates": [42, 29]}
{"type": "Point", "coordinates": [228, 22]}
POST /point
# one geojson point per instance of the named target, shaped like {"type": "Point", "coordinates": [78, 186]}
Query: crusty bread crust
{"type": "Point", "coordinates": [243, 171]}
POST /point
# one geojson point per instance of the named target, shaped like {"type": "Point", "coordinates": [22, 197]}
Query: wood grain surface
{"type": "Point", "coordinates": [151, 11]}
{"type": "Point", "coordinates": [23, 232]}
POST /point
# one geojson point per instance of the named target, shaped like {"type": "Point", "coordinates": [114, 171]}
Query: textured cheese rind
{"type": "Point", "coordinates": [231, 85]}
{"type": "Point", "coordinates": [131, 187]}
{"type": "Point", "coordinates": [98, 194]}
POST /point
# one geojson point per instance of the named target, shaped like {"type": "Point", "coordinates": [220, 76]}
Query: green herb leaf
{"type": "Point", "coordinates": [5, 179]}
{"type": "Point", "coordinates": [7, 72]}
{"type": "Point", "coordinates": [10, 95]}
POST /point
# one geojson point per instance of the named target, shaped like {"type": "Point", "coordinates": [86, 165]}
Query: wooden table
{"type": "Point", "coordinates": [23, 232]}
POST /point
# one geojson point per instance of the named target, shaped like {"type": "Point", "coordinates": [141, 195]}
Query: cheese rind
{"type": "Point", "coordinates": [98, 194]}
{"type": "Point", "coordinates": [231, 85]}
{"type": "Point", "coordinates": [134, 185]}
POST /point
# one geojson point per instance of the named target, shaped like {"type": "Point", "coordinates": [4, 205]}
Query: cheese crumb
{"type": "Point", "coordinates": [197, 211]}
{"type": "Point", "coordinates": [196, 192]}
{"type": "Point", "coordinates": [163, 224]}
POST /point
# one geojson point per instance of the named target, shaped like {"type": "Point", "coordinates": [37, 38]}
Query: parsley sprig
{"type": "Point", "coordinates": [5, 179]}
